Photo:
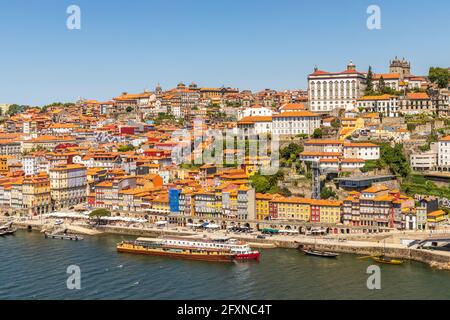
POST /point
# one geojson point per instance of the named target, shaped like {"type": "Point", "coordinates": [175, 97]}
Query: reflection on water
{"type": "Point", "coordinates": [35, 268]}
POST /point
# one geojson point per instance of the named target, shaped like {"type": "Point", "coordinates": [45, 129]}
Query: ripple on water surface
{"type": "Point", "coordinates": [35, 268]}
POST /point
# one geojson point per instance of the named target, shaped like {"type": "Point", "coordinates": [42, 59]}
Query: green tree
{"type": "Point", "coordinates": [267, 184]}
{"type": "Point", "coordinates": [260, 183]}
{"type": "Point", "coordinates": [336, 123]}
{"type": "Point", "coordinates": [318, 133]}
{"type": "Point", "coordinates": [327, 193]}
{"type": "Point", "coordinates": [14, 109]}
{"type": "Point", "coordinates": [425, 147]}
{"type": "Point", "coordinates": [440, 76]}
{"type": "Point", "coordinates": [125, 148]}
{"type": "Point", "coordinates": [394, 158]}
{"type": "Point", "coordinates": [369, 87]}
{"type": "Point", "coordinates": [129, 109]}
{"type": "Point", "coordinates": [291, 151]}
{"type": "Point", "coordinates": [98, 213]}
{"type": "Point", "coordinates": [370, 165]}
{"type": "Point", "coordinates": [381, 85]}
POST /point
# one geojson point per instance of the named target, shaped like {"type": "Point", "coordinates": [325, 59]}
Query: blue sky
{"type": "Point", "coordinates": [132, 45]}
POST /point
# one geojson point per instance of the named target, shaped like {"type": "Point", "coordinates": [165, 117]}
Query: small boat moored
{"type": "Point", "coordinates": [381, 258]}
{"type": "Point", "coordinates": [10, 231]}
{"type": "Point", "coordinates": [318, 253]}
{"type": "Point", "coordinates": [63, 236]}
{"type": "Point", "coordinates": [386, 260]}
{"type": "Point", "coordinates": [7, 229]}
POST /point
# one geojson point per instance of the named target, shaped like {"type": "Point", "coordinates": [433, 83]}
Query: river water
{"type": "Point", "coordinates": [32, 267]}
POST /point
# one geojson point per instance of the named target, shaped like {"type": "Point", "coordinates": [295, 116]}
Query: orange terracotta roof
{"type": "Point", "coordinates": [323, 141]}
{"type": "Point", "coordinates": [360, 145]}
{"type": "Point", "coordinates": [382, 97]}
{"type": "Point", "coordinates": [417, 96]}
{"type": "Point", "coordinates": [253, 119]}
{"type": "Point", "coordinates": [320, 154]}
{"type": "Point", "coordinates": [295, 114]}
{"type": "Point", "coordinates": [293, 106]}
{"type": "Point", "coordinates": [386, 76]}
{"type": "Point", "coordinates": [353, 160]}
{"type": "Point", "coordinates": [376, 188]}
{"type": "Point", "coordinates": [437, 213]}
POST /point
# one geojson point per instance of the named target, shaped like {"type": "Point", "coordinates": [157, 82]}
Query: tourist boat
{"type": "Point", "coordinates": [386, 260]}
{"type": "Point", "coordinates": [241, 249]}
{"type": "Point", "coordinates": [180, 249]}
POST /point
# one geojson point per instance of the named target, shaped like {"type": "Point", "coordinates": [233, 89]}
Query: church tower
{"type": "Point", "coordinates": [401, 67]}
{"type": "Point", "coordinates": [158, 90]}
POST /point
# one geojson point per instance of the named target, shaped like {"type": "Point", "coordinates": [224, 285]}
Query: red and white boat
{"type": "Point", "coordinates": [239, 249]}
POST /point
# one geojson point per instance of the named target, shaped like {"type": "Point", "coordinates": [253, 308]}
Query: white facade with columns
{"type": "Point", "coordinates": [328, 91]}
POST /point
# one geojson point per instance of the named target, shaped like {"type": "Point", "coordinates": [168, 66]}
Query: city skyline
{"type": "Point", "coordinates": [244, 45]}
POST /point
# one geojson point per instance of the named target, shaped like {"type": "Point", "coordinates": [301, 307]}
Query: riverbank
{"type": "Point", "coordinates": [36, 268]}
{"type": "Point", "coordinates": [435, 259]}
{"type": "Point", "coordinates": [363, 246]}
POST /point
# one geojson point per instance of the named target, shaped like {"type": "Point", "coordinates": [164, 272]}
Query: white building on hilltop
{"type": "Point", "coordinates": [444, 153]}
{"type": "Point", "coordinates": [254, 111]}
{"type": "Point", "coordinates": [329, 91]}
{"type": "Point", "coordinates": [294, 123]}
{"type": "Point", "coordinates": [386, 104]}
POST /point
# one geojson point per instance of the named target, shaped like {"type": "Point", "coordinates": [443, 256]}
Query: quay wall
{"type": "Point", "coordinates": [142, 232]}
{"type": "Point", "coordinates": [440, 260]}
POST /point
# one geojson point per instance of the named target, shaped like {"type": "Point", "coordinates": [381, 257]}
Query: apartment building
{"type": "Point", "coordinates": [255, 125]}
{"type": "Point", "coordinates": [360, 150]}
{"type": "Point", "coordinates": [377, 206]}
{"type": "Point", "coordinates": [424, 161]}
{"type": "Point", "coordinates": [291, 123]}
{"type": "Point", "coordinates": [10, 147]}
{"type": "Point", "coordinates": [387, 105]}
{"type": "Point", "coordinates": [36, 194]}
{"type": "Point", "coordinates": [68, 185]}
{"type": "Point", "coordinates": [444, 153]}
{"type": "Point", "coordinates": [416, 103]}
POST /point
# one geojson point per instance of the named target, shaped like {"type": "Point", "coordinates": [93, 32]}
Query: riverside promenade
{"type": "Point", "coordinates": [389, 244]}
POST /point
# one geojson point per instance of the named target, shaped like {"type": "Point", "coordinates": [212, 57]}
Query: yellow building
{"type": "Point", "coordinates": [3, 164]}
{"type": "Point", "coordinates": [160, 203]}
{"type": "Point", "coordinates": [253, 164]}
{"type": "Point", "coordinates": [349, 126]}
{"type": "Point", "coordinates": [436, 217]}
{"type": "Point", "coordinates": [329, 210]}
{"type": "Point", "coordinates": [6, 162]}
{"type": "Point", "coordinates": [263, 205]}
{"type": "Point", "coordinates": [36, 193]}
{"type": "Point", "coordinates": [292, 208]}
